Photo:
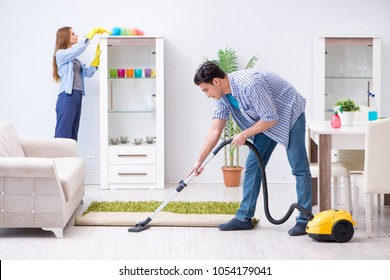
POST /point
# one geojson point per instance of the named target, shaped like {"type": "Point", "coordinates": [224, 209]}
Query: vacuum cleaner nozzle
{"type": "Point", "coordinates": [141, 226]}
{"type": "Point", "coordinates": [138, 228]}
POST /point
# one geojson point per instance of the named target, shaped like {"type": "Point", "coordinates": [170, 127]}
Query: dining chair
{"type": "Point", "coordinates": [352, 159]}
{"type": "Point", "coordinates": [338, 170]}
{"type": "Point", "coordinates": [375, 178]}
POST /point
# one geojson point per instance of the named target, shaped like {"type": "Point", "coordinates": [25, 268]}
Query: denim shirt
{"type": "Point", "coordinates": [64, 60]}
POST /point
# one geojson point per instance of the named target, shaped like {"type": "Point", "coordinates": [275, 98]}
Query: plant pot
{"type": "Point", "coordinates": [347, 118]}
{"type": "Point", "coordinates": [232, 176]}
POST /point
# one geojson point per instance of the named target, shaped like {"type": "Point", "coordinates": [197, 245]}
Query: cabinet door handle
{"type": "Point", "coordinates": [132, 155]}
{"type": "Point", "coordinates": [132, 174]}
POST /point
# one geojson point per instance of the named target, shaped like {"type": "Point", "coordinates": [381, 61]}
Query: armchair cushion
{"type": "Point", "coordinates": [49, 147]}
{"type": "Point", "coordinates": [10, 145]}
{"type": "Point", "coordinates": [71, 172]}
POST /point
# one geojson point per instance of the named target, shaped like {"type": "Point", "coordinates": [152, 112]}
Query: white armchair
{"type": "Point", "coordinates": [376, 175]}
{"type": "Point", "coordinates": [41, 181]}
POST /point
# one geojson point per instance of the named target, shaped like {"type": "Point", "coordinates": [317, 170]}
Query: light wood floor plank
{"type": "Point", "coordinates": [267, 241]}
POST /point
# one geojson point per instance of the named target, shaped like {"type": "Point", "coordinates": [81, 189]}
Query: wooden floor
{"type": "Point", "coordinates": [267, 241]}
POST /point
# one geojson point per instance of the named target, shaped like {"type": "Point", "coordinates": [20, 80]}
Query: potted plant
{"type": "Point", "coordinates": [227, 61]}
{"type": "Point", "coordinates": [347, 109]}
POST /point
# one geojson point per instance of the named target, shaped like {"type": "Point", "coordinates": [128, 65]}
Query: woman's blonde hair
{"type": "Point", "coordinates": [62, 42]}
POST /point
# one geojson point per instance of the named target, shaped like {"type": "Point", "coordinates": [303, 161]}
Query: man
{"type": "Point", "coordinates": [269, 111]}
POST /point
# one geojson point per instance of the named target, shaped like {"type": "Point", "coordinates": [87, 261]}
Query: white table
{"type": "Point", "coordinates": [328, 138]}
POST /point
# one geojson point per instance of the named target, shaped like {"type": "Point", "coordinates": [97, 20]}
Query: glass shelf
{"type": "Point", "coordinates": [130, 143]}
{"type": "Point", "coordinates": [143, 78]}
{"type": "Point", "coordinates": [352, 78]}
{"type": "Point", "coordinates": [131, 112]}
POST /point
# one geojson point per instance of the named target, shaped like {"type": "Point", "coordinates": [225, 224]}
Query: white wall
{"type": "Point", "coordinates": [280, 32]}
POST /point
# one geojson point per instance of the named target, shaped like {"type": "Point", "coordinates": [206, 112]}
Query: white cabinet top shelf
{"type": "Point", "coordinates": [130, 41]}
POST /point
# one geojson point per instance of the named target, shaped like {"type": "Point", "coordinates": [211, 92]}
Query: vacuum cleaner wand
{"type": "Point", "coordinates": [183, 183]}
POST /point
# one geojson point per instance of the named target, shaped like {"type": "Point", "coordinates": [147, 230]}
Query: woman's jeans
{"type": "Point", "coordinates": [297, 157]}
{"type": "Point", "coordinates": [68, 111]}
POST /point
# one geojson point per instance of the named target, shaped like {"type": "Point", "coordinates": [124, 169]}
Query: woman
{"type": "Point", "coordinates": [69, 72]}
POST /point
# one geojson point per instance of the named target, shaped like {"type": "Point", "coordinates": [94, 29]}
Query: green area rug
{"type": "Point", "coordinates": [176, 213]}
{"type": "Point", "coordinates": [180, 207]}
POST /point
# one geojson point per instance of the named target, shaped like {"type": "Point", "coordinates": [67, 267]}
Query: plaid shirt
{"type": "Point", "coordinates": [262, 95]}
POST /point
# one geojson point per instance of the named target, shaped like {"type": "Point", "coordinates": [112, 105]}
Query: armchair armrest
{"type": "Point", "coordinates": [27, 167]}
{"type": "Point", "coordinates": [49, 147]}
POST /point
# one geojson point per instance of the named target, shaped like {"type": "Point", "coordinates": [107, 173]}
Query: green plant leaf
{"type": "Point", "coordinates": [228, 60]}
{"type": "Point", "coordinates": [252, 62]}
{"type": "Point", "coordinates": [347, 105]}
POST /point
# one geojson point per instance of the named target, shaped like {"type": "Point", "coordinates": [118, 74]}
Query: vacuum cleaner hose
{"type": "Point", "coordinates": [145, 224]}
{"type": "Point", "coordinates": [265, 187]}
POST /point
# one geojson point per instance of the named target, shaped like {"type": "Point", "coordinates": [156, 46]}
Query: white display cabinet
{"type": "Point", "coordinates": [345, 67]}
{"type": "Point", "coordinates": [132, 105]}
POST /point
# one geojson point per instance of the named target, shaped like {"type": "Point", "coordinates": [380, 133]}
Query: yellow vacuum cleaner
{"type": "Point", "coordinates": [331, 225]}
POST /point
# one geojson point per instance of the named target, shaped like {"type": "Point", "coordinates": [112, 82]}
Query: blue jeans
{"type": "Point", "coordinates": [297, 157]}
{"type": "Point", "coordinates": [68, 111]}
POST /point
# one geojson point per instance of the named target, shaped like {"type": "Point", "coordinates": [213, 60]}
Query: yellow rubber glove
{"type": "Point", "coordinates": [96, 61]}
{"type": "Point", "coordinates": [96, 30]}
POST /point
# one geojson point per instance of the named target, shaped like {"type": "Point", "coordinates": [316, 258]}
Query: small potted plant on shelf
{"type": "Point", "coordinates": [347, 109]}
{"type": "Point", "coordinates": [227, 61]}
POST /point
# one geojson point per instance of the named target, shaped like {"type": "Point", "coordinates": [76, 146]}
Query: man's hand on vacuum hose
{"type": "Point", "coordinates": [239, 139]}
{"type": "Point", "coordinates": [257, 128]}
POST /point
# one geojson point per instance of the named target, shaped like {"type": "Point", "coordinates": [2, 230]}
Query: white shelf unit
{"type": "Point", "coordinates": [132, 107]}
{"type": "Point", "coordinates": [345, 67]}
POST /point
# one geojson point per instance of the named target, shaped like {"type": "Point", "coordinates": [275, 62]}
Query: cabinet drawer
{"type": "Point", "coordinates": [132, 155]}
{"type": "Point", "coordinates": [132, 174]}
